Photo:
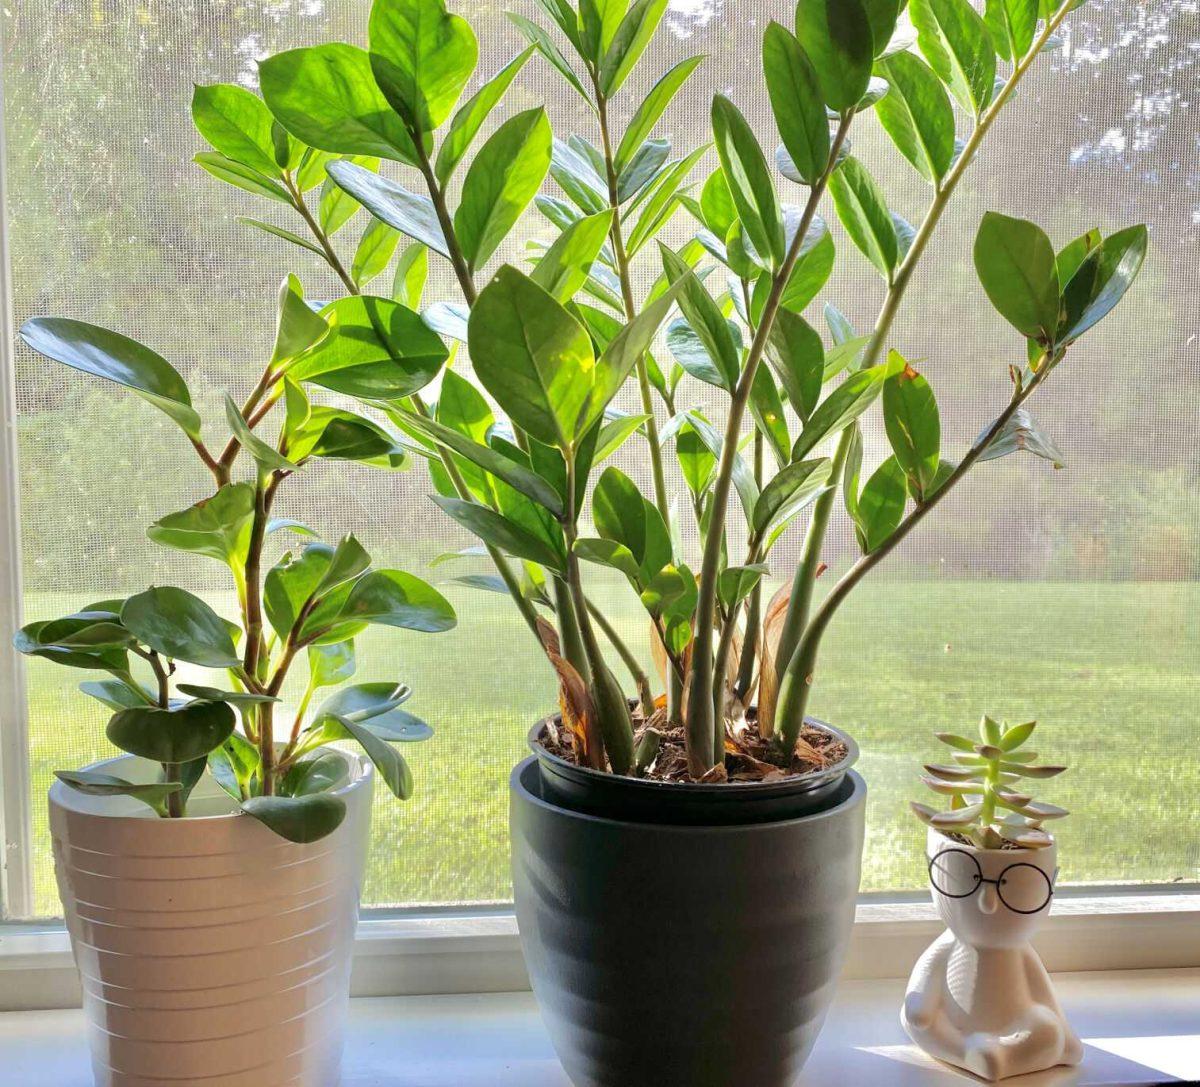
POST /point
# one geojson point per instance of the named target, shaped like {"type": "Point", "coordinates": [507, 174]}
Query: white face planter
{"type": "Point", "coordinates": [980, 997]}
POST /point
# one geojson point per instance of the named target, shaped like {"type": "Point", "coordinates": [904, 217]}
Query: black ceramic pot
{"type": "Point", "coordinates": [683, 955]}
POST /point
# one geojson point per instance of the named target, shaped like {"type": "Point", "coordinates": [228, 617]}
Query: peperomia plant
{"type": "Point", "coordinates": [554, 346]}
{"type": "Point", "coordinates": [988, 802]}
{"type": "Point", "coordinates": [311, 603]}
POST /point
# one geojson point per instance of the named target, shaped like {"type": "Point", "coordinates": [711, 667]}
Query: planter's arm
{"type": "Point", "coordinates": [800, 605]}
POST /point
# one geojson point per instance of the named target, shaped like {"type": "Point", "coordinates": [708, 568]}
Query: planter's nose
{"type": "Point", "coordinates": [988, 899]}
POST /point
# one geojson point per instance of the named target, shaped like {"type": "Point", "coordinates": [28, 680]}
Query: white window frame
{"type": "Point", "coordinates": [424, 951]}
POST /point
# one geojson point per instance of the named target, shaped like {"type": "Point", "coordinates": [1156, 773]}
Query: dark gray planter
{"type": "Point", "coordinates": [683, 956]}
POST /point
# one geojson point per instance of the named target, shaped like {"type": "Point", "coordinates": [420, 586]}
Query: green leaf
{"type": "Point", "coordinates": [863, 211]}
{"type": "Point", "coordinates": [533, 357]}
{"type": "Point", "coordinates": [1074, 253]}
{"type": "Point", "coordinates": [180, 626]}
{"type": "Point", "coordinates": [842, 406]}
{"type": "Point", "coordinates": [1012, 24]}
{"type": "Point", "coordinates": [522, 479]}
{"type": "Point", "coordinates": [545, 45]}
{"type": "Point", "coordinates": [916, 113]}
{"type": "Point", "coordinates": [237, 123]}
{"type": "Point", "coordinates": [412, 270]}
{"type": "Point", "coordinates": [297, 327]}
{"type": "Point", "coordinates": [910, 416]}
{"type": "Point", "coordinates": [342, 435]}
{"type": "Point", "coordinates": [469, 119]}
{"type": "Point", "coordinates": [388, 761]}
{"type": "Point", "coordinates": [609, 553]}
{"type": "Point", "coordinates": [364, 701]}
{"type": "Point", "coordinates": [233, 765]}
{"type": "Point", "coordinates": [348, 560]}
{"type": "Point", "coordinates": [240, 176]}
{"type": "Point", "coordinates": [564, 267]}
{"type": "Point", "coordinates": [178, 735]}
{"type": "Point", "coordinates": [94, 783]}
{"type": "Point", "coordinates": [735, 583]}
{"type": "Point", "coordinates": [374, 252]}
{"type": "Point", "coordinates": [647, 115]}
{"type": "Point", "coordinates": [1016, 265]}
{"type": "Point", "coordinates": [117, 358]}
{"type": "Point", "coordinates": [1101, 281]}
{"type": "Point", "coordinates": [881, 505]}
{"type": "Point", "coordinates": [622, 515]}
{"type": "Point", "coordinates": [1016, 736]}
{"type": "Point", "coordinates": [327, 97]}
{"type": "Point", "coordinates": [766, 406]}
{"type": "Point", "coordinates": [711, 353]}
{"type": "Point", "coordinates": [215, 694]}
{"type": "Point", "coordinates": [743, 478]}
{"type": "Point", "coordinates": [496, 529]}
{"type": "Point", "coordinates": [269, 459]}
{"type": "Point", "coordinates": [31, 640]}
{"type": "Point", "coordinates": [280, 232]}
{"type": "Point", "coordinates": [331, 664]}
{"type": "Point", "coordinates": [504, 177]}
{"type": "Point", "coordinates": [663, 200]}
{"type": "Point", "coordinates": [956, 42]}
{"type": "Point", "coordinates": [317, 772]}
{"type": "Point", "coordinates": [797, 102]}
{"type": "Point", "coordinates": [696, 461]}
{"type": "Point", "coordinates": [376, 349]}
{"type": "Point", "coordinates": [1022, 433]}
{"type": "Point", "coordinates": [410, 214]}
{"type": "Point", "coordinates": [852, 472]}
{"type": "Point", "coordinates": [299, 819]}
{"type": "Point", "coordinates": [394, 598]}
{"type": "Point", "coordinates": [218, 527]}
{"type": "Point", "coordinates": [882, 16]}
{"type": "Point", "coordinates": [422, 58]}
{"type": "Point", "coordinates": [628, 43]}
{"type": "Point", "coordinates": [716, 202]}
{"type": "Point", "coordinates": [795, 353]}
{"type": "Point", "coordinates": [614, 433]}
{"type": "Point", "coordinates": [749, 179]}
{"type": "Point", "coordinates": [117, 694]}
{"type": "Point", "coordinates": [836, 36]}
{"type": "Point", "coordinates": [793, 486]}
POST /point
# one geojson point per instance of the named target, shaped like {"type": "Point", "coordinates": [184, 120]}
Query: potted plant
{"type": "Point", "coordinates": [980, 997]}
{"type": "Point", "coordinates": [685, 864]}
{"type": "Point", "coordinates": [210, 875]}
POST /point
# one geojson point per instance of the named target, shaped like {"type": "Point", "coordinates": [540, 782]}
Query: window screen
{"type": "Point", "coordinates": [1072, 596]}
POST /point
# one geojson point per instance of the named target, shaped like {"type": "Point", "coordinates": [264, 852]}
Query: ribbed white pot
{"type": "Point", "coordinates": [212, 952]}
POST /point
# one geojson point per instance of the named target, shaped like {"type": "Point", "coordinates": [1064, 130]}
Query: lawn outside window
{"type": "Point", "coordinates": [1092, 615]}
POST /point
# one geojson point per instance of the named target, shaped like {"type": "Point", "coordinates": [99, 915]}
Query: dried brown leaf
{"type": "Point", "coordinates": [768, 645]}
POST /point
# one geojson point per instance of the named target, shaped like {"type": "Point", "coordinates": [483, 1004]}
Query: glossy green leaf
{"type": "Point", "coordinates": [745, 168]}
{"type": "Point", "coordinates": [291, 582]}
{"type": "Point", "coordinates": [881, 505]}
{"type": "Point", "coordinates": [422, 58]}
{"type": "Point", "coordinates": [735, 583]}
{"type": "Point", "coordinates": [1022, 433]}
{"type": "Point", "coordinates": [218, 527]}
{"type": "Point", "coordinates": [374, 251]}
{"type": "Point", "coordinates": [609, 553]}
{"type": "Point", "coordinates": [233, 765]}
{"type": "Point", "coordinates": [376, 349]}
{"type": "Point", "coordinates": [388, 761]}
{"type": "Point", "coordinates": [534, 358]}
{"type": "Point", "coordinates": [1012, 24]}
{"type": "Point", "coordinates": [364, 701]}
{"type": "Point", "coordinates": [326, 96]}
{"type": "Point", "coordinates": [916, 113]}
{"type": "Point", "coordinates": [215, 694]}
{"type": "Point", "coordinates": [95, 783]}
{"type": "Point", "coordinates": [1016, 265]}
{"type": "Point", "coordinates": [299, 819]}
{"type": "Point", "coordinates": [279, 232]}
{"type": "Point", "coordinates": [796, 355]}
{"type": "Point", "coordinates": [237, 123]}
{"type": "Point", "coordinates": [297, 327]}
{"type": "Point", "coordinates": [545, 45]}
{"type": "Point", "coordinates": [766, 406]}
{"type": "Point", "coordinates": [240, 176]}
{"type": "Point", "coordinates": [836, 36]}
{"type": "Point", "coordinates": [103, 353]}
{"type": "Point", "coordinates": [790, 489]}
{"type": "Point", "coordinates": [623, 515]}
{"type": "Point", "coordinates": [956, 42]}
{"type": "Point", "coordinates": [178, 735]}
{"type": "Point", "coordinates": [628, 43]}
{"type": "Point", "coordinates": [663, 200]}
{"type": "Point", "coordinates": [696, 461]}
{"type": "Point", "coordinates": [341, 435]}
{"type": "Point", "coordinates": [496, 529]}
{"type": "Point", "coordinates": [647, 163]}
{"type": "Point", "coordinates": [317, 772]}
{"type": "Point", "coordinates": [1074, 253]}
{"type": "Point", "coordinates": [180, 626]}
{"type": "Point", "coordinates": [842, 406]}
{"type": "Point", "coordinates": [564, 267]}
{"type": "Point", "coordinates": [117, 694]}
{"type": "Point", "coordinates": [504, 177]}
{"type": "Point", "coordinates": [863, 211]}
{"type": "Point", "coordinates": [409, 213]}
{"type": "Point", "coordinates": [647, 115]}
{"type": "Point", "coordinates": [30, 641]}
{"type": "Point", "coordinates": [1101, 281]}
{"type": "Point", "coordinates": [743, 478]}
{"type": "Point", "coordinates": [348, 560]}
{"type": "Point", "coordinates": [797, 102]}
{"type": "Point", "coordinates": [412, 270]}
{"type": "Point", "coordinates": [268, 458]}
{"type": "Point", "coordinates": [469, 119]}
{"type": "Point", "coordinates": [396, 599]}
{"type": "Point", "coordinates": [713, 352]}
{"type": "Point", "coordinates": [910, 416]}
{"type": "Point", "coordinates": [331, 664]}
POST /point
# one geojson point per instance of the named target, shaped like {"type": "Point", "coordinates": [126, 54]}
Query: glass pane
{"type": "Point", "coordinates": [1071, 596]}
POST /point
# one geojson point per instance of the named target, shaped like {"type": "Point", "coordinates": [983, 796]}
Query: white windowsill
{"type": "Point", "coordinates": [1139, 1027]}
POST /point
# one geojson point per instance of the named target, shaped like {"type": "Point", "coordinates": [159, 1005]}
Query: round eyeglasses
{"type": "Point", "coordinates": [1023, 888]}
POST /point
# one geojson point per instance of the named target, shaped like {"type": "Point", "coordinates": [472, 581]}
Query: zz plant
{"type": "Point", "coordinates": [309, 604]}
{"type": "Point", "coordinates": [986, 784]}
{"type": "Point", "coordinates": [554, 343]}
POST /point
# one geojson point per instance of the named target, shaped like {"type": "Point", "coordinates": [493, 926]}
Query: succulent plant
{"type": "Point", "coordinates": [989, 802]}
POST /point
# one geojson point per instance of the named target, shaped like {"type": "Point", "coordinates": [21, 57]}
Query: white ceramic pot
{"type": "Point", "coordinates": [980, 997]}
{"type": "Point", "coordinates": [211, 951]}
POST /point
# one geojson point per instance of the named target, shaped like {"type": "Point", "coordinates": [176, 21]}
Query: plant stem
{"type": "Point", "coordinates": [700, 726]}
{"type": "Point", "coordinates": [622, 261]}
{"type": "Point", "coordinates": [331, 257]}
{"type": "Point", "coordinates": [568, 629]}
{"type": "Point", "coordinates": [640, 680]}
{"type": "Point", "coordinates": [172, 772]}
{"type": "Point", "coordinates": [462, 270]}
{"type": "Point", "coordinates": [796, 666]}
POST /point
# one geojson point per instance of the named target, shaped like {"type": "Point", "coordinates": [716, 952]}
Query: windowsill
{"type": "Point", "coordinates": [1139, 1027]}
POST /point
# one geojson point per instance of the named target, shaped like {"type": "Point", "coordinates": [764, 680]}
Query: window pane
{"type": "Point", "coordinates": [1071, 596]}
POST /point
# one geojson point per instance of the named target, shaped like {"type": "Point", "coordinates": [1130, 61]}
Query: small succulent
{"type": "Point", "coordinates": [988, 804]}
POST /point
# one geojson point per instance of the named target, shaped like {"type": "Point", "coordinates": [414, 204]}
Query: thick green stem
{"type": "Point", "coordinates": [568, 629]}
{"type": "Point", "coordinates": [700, 726]}
{"type": "Point", "coordinates": [172, 772]}
{"type": "Point", "coordinates": [796, 667]}
{"type": "Point", "coordinates": [458, 261]}
{"type": "Point", "coordinates": [636, 672]}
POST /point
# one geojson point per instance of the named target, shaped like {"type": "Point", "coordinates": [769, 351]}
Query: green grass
{"type": "Point", "coordinates": [1111, 670]}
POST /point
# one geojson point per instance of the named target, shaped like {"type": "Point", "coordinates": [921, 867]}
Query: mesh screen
{"type": "Point", "coordinates": [1070, 596]}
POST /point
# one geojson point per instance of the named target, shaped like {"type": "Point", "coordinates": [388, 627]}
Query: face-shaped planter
{"type": "Point", "coordinates": [980, 997]}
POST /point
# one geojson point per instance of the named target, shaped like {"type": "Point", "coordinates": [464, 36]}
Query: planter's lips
{"type": "Point", "coordinates": [60, 794]}
{"type": "Point", "coordinates": [712, 790]}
